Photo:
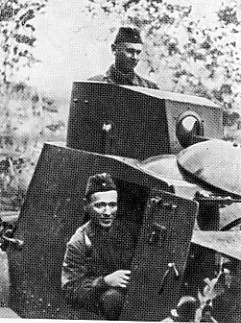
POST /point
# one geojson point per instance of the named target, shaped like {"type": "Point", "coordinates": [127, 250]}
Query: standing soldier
{"type": "Point", "coordinates": [127, 49]}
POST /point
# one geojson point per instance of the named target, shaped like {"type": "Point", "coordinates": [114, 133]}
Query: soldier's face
{"type": "Point", "coordinates": [127, 55]}
{"type": "Point", "coordinates": [102, 208]}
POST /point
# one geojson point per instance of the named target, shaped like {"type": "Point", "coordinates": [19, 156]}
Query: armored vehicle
{"type": "Point", "coordinates": [179, 187]}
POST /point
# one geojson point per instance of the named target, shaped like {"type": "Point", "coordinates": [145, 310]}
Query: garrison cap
{"type": "Point", "coordinates": [128, 35]}
{"type": "Point", "coordinates": [99, 183]}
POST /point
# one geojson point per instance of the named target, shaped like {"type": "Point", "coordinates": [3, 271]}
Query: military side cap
{"type": "Point", "coordinates": [128, 35]}
{"type": "Point", "coordinates": [99, 183]}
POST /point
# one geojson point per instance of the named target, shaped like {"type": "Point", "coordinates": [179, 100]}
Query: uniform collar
{"type": "Point", "coordinates": [95, 229]}
{"type": "Point", "coordinates": [117, 77]}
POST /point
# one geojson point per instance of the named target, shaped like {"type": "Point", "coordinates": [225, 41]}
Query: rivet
{"type": "Point", "coordinates": [166, 204]}
{"type": "Point", "coordinates": [154, 200]}
{"type": "Point", "coordinates": [173, 206]}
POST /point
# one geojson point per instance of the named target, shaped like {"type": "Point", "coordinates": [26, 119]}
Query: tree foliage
{"type": "Point", "coordinates": [215, 54]}
{"type": "Point", "coordinates": [200, 60]}
{"type": "Point", "coordinates": [17, 35]}
{"type": "Point", "coordinates": [28, 118]}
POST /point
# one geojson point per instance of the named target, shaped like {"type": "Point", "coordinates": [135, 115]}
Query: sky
{"type": "Point", "coordinates": [71, 47]}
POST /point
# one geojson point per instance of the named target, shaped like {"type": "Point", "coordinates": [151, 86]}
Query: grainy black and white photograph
{"type": "Point", "coordinates": [120, 160]}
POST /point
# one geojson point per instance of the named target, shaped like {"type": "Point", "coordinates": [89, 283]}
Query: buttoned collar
{"type": "Point", "coordinates": [118, 77]}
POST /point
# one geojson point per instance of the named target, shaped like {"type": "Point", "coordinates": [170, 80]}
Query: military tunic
{"type": "Point", "coordinates": [91, 254]}
{"type": "Point", "coordinates": [114, 76]}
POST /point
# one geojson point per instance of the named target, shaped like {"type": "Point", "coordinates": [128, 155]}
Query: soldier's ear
{"type": "Point", "coordinates": [113, 48]}
{"type": "Point", "coordinates": [85, 203]}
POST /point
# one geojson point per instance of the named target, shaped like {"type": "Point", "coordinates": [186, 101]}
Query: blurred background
{"type": "Point", "coordinates": [191, 47]}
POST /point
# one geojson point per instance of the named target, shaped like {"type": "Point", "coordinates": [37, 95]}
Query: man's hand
{"type": "Point", "coordinates": [119, 278]}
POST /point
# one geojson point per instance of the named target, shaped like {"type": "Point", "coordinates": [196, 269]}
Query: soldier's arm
{"type": "Point", "coordinates": [78, 282]}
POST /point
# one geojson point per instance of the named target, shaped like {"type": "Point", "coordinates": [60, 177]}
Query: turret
{"type": "Point", "coordinates": [138, 122]}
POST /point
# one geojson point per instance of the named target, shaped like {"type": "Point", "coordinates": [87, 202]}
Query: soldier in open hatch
{"type": "Point", "coordinates": [96, 267]}
{"type": "Point", "coordinates": [127, 49]}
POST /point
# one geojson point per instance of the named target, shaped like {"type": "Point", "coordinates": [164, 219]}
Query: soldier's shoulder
{"type": "Point", "coordinates": [98, 78]}
{"type": "Point", "coordinates": [151, 84]}
{"type": "Point", "coordinates": [147, 83]}
{"type": "Point", "coordinates": [79, 235]}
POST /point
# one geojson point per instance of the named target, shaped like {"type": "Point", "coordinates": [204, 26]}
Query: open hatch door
{"type": "Point", "coordinates": [160, 257]}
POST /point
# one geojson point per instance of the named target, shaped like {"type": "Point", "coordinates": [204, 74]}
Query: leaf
{"type": "Point", "coordinates": [27, 16]}
{"type": "Point", "coordinates": [6, 13]}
